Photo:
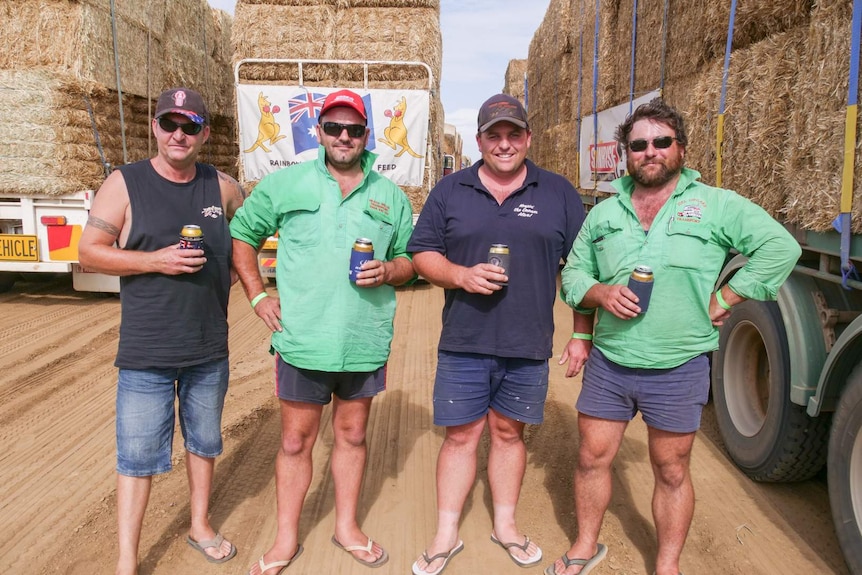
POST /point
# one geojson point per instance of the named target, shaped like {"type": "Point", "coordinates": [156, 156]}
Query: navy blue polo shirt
{"type": "Point", "coordinates": [538, 222]}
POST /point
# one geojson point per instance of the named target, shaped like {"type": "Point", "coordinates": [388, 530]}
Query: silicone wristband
{"type": "Point", "coordinates": [257, 299]}
{"type": "Point", "coordinates": [586, 336]}
{"type": "Point", "coordinates": [720, 299]}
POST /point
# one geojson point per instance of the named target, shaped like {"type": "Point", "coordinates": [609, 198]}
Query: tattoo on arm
{"type": "Point", "coordinates": [101, 224]}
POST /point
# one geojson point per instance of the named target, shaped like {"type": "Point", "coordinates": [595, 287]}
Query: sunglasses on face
{"type": "Point", "coordinates": [334, 129]}
{"type": "Point", "coordinates": [190, 129]}
{"type": "Point", "coordinates": [660, 143]}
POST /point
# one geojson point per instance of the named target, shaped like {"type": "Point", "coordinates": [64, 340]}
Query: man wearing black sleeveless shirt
{"type": "Point", "coordinates": [173, 332]}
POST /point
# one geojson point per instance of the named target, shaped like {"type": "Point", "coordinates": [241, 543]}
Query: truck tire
{"type": "Point", "coordinates": [7, 280]}
{"type": "Point", "coordinates": [845, 471]}
{"type": "Point", "coordinates": [766, 435]}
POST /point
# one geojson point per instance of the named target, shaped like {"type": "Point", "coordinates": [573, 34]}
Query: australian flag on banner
{"type": "Point", "coordinates": [304, 111]}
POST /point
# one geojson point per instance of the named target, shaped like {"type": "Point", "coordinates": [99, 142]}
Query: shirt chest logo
{"type": "Point", "coordinates": [213, 212]}
{"type": "Point", "coordinates": [525, 210]}
{"type": "Point", "coordinates": [378, 207]}
{"type": "Point", "coordinates": [690, 210]}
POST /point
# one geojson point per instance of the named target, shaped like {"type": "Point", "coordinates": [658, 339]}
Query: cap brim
{"type": "Point", "coordinates": [515, 121]}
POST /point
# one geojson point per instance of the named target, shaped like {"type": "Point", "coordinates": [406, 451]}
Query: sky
{"type": "Point", "coordinates": [479, 39]}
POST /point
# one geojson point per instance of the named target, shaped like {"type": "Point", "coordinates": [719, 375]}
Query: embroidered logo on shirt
{"type": "Point", "coordinates": [212, 212]}
{"type": "Point", "coordinates": [378, 207]}
{"type": "Point", "coordinates": [690, 210]}
{"type": "Point", "coordinates": [526, 211]}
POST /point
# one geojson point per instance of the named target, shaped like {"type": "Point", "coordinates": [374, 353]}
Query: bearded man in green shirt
{"type": "Point", "coordinates": [331, 336]}
{"type": "Point", "coordinates": [653, 360]}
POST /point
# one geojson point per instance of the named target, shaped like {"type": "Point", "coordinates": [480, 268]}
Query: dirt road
{"type": "Point", "coordinates": [57, 386]}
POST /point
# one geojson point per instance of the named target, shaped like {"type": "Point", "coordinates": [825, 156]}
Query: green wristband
{"type": "Point", "coordinates": [586, 336]}
{"type": "Point", "coordinates": [720, 299]}
{"type": "Point", "coordinates": [257, 299]}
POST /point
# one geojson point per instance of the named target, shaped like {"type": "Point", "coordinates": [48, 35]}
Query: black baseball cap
{"type": "Point", "coordinates": [183, 101]}
{"type": "Point", "coordinates": [502, 108]}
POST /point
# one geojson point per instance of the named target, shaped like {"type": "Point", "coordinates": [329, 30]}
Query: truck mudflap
{"type": "Point", "coordinates": [766, 435]}
{"type": "Point", "coordinates": [845, 470]}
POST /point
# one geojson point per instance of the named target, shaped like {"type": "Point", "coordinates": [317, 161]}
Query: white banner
{"type": "Point", "coordinates": [276, 129]}
{"type": "Point", "coordinates": [601, 162]}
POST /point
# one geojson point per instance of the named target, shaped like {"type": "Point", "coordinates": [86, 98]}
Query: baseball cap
{"type": "Point", "coordinates": [183, 101]}
{"type": "Point", "coordinates": [502, 108]}
{"type": "Point", "coordinates": [344, 98]}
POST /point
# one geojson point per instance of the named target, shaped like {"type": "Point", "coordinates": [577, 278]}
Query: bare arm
{"type": "Point", "coordinates": [376, 272]}
{"type": "Point", "coordinates": [245, 264]}
{"type": "Point", "coordinates": [232, 194]}
{"type": "Point", "coordinates": [434, 267]}
{"type": "Point", "coordinates": [108, 222]}
{"type": "Point", "coordinates": [578, 349]}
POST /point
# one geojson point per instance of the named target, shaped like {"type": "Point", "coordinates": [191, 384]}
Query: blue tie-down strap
{"type": "Point", "coordinates": [848, 271]}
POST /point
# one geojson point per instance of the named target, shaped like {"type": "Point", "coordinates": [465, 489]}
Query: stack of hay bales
{"type": "Point", "coordinates": [453, 145]}
{"type": "Point", "coordinates": [513, 85]}
{"type": "Point", "coordinates": [785, 103]}
{"type": "Point", "coordinates": [58, 86]}
{"type": "Point", "coordinates": [391, 30]}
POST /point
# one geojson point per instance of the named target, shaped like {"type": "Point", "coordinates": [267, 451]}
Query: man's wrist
{"type": "Point", "coordinates": [584, 336]}
{"type": "Point", "coordinates": [256, 299]}
{"type": "Point", "coordinates": [720, 299]}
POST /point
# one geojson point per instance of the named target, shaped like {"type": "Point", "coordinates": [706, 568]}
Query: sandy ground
{"type": "Point", "coordinates": [57, 509]}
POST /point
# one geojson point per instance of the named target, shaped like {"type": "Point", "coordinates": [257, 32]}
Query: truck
{"type": "Point", "coordinates": [273, 119]}
{"type": "Point", "coordinates": [40, 233]}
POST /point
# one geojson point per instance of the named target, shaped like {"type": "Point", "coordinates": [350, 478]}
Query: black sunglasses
{"type": "Point", "coordinates": [189, 129]}
{"type": "Point", "coordinates": [334, 129]}
{"type": "Point", "coordinates": [659, 143]}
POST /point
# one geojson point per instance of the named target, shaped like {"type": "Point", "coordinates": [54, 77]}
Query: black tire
{"type": "Point", "coordinates": [7, 280]}
{"type": "Point", "coordinates": [766, 435]}
{"type": "Point", "coordinates": [845, 471]}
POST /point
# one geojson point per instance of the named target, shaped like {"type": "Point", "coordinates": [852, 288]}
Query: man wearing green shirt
{"type": "Point", "coordinates": [655, 362]}
{"type": "Point", "coordinates": [331, 334]}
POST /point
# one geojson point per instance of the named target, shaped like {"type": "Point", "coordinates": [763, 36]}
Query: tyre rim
{"type": "Point", "coordinates": [855, 482]}
{"type": "Point", "coordinates": [746, 379]}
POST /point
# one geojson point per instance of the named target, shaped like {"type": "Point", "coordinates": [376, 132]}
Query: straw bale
{"type": "Point", "coordinates": [346, 4]}
{"type": "Point", "coordinates": [815, 145]}
{"type": "Point", "coordinates": [146, 14]}
{"type": "Point", "coordinates": [295, 3]}
{"type": "Point", "coordinates": [285, 34]}
{"type": "Point", "coordinates": [514, 82]}
{"type": "Point", "coordinates": [411, 34]}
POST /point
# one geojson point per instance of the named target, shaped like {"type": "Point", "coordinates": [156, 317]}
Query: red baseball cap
{"type": "Point", "coordinates": [344, 98]}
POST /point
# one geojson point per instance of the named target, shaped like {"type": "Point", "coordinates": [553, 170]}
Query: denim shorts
{"type": "Point", "coordinates": [311, 386]}
{"type": "Point", "coordinates": [145, 414]}
{"type": "Point", "coordinates": [668, 399]}
{"type": "Point", "coordinates": [468, 384]}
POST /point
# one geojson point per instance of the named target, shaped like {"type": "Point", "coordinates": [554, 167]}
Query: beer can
{"type": "Point", "coordinates": [498, 255]}
{"type": "Point", "coordinates": [363, 251]}
{"type": "Point", "coordinates": [191, 238]}
{"type": "Point", "coordinates": [641, 282]}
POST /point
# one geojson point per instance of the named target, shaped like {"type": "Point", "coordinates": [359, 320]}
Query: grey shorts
{"type": "Point", "coordinates": [668, 399]}
{"type": "Point", "coordinates": [311, 386]}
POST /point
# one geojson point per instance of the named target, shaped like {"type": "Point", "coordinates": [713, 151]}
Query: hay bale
{"type": "Point", "coordinates": [513, 84]}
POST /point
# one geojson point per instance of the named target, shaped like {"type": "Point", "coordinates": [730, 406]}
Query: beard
{"type": "Point", "coordinates": [656, 178]}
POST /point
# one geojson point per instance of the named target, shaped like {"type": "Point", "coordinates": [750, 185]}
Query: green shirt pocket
{"type": "Point", "coordinates": [300, 223]}
{"type": "Point", "coordinates": [378, 227]}
{"type": "Point", "coordinates": [688, 244]}
{"type": "Point", "coordinates": [609, 249]}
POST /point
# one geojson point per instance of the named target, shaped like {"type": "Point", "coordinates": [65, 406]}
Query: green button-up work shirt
{"type": "Point", "coordinates": [329, 323]}
{"type": "Point", "coordinates": [686, 247]}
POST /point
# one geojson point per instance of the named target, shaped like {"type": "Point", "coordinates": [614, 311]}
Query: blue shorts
{"type": "Point", "coordinates": [468, 384]}
{"type": "Point", "coordinates": [311, 386]}
{"type": "Point", "coordinates": [668, 399]}
{"type": "Point", "coordinates": [145, 414]}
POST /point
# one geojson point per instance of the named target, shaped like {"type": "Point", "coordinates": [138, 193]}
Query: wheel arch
{"type": "Point", "coordinates": [838, 366]}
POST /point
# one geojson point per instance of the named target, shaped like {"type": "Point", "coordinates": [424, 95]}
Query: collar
{"type": "Point", "coordinates": [472, 177]}
{"type": "Point", "coordinates": [626, 184]}
{"type": "Point", "coordinates": [366, 161]}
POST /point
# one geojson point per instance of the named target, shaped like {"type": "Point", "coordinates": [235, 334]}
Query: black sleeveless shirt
{"type": "Point", "coordinates": [174, 321]}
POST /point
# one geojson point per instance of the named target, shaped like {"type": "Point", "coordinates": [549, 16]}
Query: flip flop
{"type": "Point", "coordinates": [446, 557]}
{"type": "Point", "coordinates": [523, 547]}
{"type": "Point", "coordinates": [215, 542]}
{"type": "Point", "coordinates": [587, 565]}
{"type": "Point", "coordinates": [283, 564]}
{"type": "Point", "coordinates": [367, 548]}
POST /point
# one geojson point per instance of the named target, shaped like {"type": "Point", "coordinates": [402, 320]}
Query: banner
{"type": "Point", "coordinates": [277, 129]}
{"type": "Point", "coordinates": [600, 159]}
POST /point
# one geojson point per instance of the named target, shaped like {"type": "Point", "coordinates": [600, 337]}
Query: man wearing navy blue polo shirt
{"type": "Point", "coordinates": [498, 323]}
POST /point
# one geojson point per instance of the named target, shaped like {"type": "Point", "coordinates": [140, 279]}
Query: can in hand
{"type": "Point", "coordinates": [498, 255]}
{"type": "Point", "coordinates": [191, 238]}
{"type": "Point", "coordinates": [641, 282]}
{"type": "Point", "coordinates": [363, 251]}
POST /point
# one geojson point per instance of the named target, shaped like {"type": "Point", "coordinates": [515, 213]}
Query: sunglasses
{"type": "Point", "coordinates": [659, 143]}
{"type": "Point", "coordinates": [334, 129]}
{"type": "Point", "coordinates": [189, 129]}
